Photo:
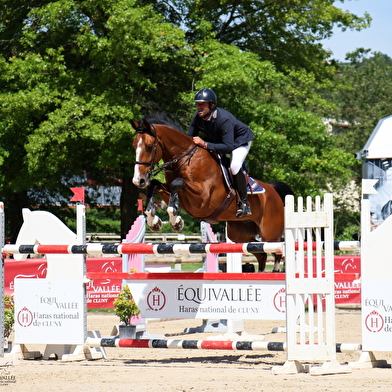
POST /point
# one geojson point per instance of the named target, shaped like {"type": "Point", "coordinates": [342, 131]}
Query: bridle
{"type": "Point", "coordinates": [142, 130]}
{"type": "Point", "coordinates": [152, 170]}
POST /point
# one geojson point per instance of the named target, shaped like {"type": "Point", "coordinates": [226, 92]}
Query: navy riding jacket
{"type": "Point", "coordinates": [223, 132]}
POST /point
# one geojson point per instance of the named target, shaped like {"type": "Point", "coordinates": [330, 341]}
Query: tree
{"type": "Point", "coordinates": [363, 97]}
{"type": "Point", "coordinates": [292, 144]}
{"type": "Point", "coordinates": [72, 76]}
{"type": "Point", "coordinates": [287, 33]}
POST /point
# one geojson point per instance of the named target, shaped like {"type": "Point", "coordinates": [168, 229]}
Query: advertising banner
{"type": "Point", "coordinates": [43, 316]}
{"type": "Point", "coordinates": [347, 279]}
{"type": "Point", "coordinates": [100, 292]}
{"type": "Point", "coordinates": [204, 299]}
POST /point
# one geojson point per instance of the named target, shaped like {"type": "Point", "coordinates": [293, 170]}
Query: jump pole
{"type": "Point", "coordinates": [180, 249]}
{"type": "Point", "coordinates": [205, 344]}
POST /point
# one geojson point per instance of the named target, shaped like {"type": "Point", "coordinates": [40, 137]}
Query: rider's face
{"type": "Point", "coordinates": [203, 109]}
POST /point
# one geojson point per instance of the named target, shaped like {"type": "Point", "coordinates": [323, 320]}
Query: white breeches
{"type": "Point", "coordinates": [238, 157]}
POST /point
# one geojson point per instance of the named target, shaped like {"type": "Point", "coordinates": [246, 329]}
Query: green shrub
{"type": "Point", "coordinates": [8, 315]}
{"type": "Point", "coordinates": [124, 306]}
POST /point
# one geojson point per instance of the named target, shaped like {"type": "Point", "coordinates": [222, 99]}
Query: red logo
{"type": "Point", "coordinates": [25, 317]}
{"type": "Point", "coordinates": [374, 322]}
{"type": "Point", "coordinates": [280, 300]}
{"type": "Point", "coordinates": [42, 270]}
{"type": "Point", "coordinates": [156, 299]}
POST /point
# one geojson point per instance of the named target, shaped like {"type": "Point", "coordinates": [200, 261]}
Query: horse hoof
{"type": "Point", "coordinates": [156, 225]}
{"type": "Point", "coordinates": [178, 226]}
{"type": "Point", "coordinates": [156, 228]}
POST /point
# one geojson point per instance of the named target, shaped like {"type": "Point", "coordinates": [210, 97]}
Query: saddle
{"type": "Point", "coordinates": [253, 187]}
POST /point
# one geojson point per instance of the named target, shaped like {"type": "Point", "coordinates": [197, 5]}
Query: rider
{"type": "Point", "coordinates": [224, 134]}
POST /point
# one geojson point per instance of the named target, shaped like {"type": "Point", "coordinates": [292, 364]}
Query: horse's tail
{"type": "Point", "coordinates": [282, 189]}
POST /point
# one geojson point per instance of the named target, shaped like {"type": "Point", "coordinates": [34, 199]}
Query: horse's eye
{"type": "Point", "coordinates": [149, 147]}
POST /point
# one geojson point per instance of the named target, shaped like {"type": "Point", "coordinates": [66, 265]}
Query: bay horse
{"type": "Point", "coordinates": [195, 183]}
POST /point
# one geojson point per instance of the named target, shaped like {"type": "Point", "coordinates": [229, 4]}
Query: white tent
{"type": "Point", "coordinates": [379, 144]}
{"type": "Point", "coordinates": [376, 158]}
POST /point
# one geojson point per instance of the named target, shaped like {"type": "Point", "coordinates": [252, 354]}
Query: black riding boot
{"type": "Point", "coordinates": [243, 208]}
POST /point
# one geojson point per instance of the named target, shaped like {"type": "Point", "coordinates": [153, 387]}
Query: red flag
{"type": "Point", "coordinates": [78, 194]}
{"type": "Point", "coordinates": [140, 205]}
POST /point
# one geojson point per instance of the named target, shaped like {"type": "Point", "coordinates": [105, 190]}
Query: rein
{"type": "Point", "coordinates": [189, 153]}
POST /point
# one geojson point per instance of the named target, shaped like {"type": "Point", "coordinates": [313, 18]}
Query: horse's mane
{"type": "Point", "coordinates": [162, 119]}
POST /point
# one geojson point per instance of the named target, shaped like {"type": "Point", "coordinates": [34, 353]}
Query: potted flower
{"type": "Point", "coordinates": [125, 307]}
{"type": "Point", "coordinates": [8, 320]}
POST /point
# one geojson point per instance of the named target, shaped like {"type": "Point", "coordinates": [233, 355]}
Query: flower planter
{"type": "Point", "coordinates": [7, 346]}
{"type": "Point", "coordinates": [127, 331]}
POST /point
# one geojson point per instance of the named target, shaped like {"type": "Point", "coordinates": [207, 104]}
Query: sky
{"type": "Point", "coordinates": [378, 37]}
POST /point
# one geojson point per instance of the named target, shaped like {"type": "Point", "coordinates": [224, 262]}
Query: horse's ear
{"type": "Point", "coordinates": [148, 127]}
{"type": "Point", "coordinates": [146, 124]}
{"type": "Point", "coordinates": [135, 125]}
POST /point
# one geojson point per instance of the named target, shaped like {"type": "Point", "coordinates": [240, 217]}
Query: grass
{"type": "Point", "coordinates": [103, 310]}
{"type": "Point", "coordinates": [191, 267]}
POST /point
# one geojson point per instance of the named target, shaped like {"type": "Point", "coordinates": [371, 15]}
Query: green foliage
{"type": "Point", "coordinates": [363, 97]}
{"type": "Point", "coordinates": [73, 75]}
{"type": "Point", "coordinates": [347, 206]}
{"type": "Point", "coordinates": [124, 306]}
{"type": "Point", "coordinates": [286, 33]}
{"type": "Point", "coordinates": [292, 144]}
{"type": "Point", "coordinates": [103, 220]}
{"type": "Point", "coordinates": [8, 315]}
{"type": "Point", "coordinates": [347, 226]}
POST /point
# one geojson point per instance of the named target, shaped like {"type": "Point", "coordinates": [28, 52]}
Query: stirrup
{"type": "Point", "coordinates": [243, 209]}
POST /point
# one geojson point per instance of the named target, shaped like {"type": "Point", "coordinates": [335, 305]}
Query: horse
{"type": "Point", "coordinates": [196, 184]}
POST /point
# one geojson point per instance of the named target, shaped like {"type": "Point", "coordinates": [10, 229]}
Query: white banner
{"type": "Point", "coordinates": [203, 299]}
{"type": "Point", "coordinates": [377, 315]}
{"type": "Point", "coordinates": [376, 284]}
{"type": "Point", "coordinates": [49, 311]}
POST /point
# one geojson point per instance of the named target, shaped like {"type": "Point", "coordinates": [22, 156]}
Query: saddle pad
{"type": "Point", "coordinates": [254, 188]}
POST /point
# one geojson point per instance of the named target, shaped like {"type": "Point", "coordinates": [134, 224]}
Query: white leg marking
{"type": "Point", "coordinates": [136, 174]}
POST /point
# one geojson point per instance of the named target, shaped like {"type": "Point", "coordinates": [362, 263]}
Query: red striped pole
{"type": "Point", "coordinates": [205, 344]}
{"type": "Point", "coordinates": [142, 248]}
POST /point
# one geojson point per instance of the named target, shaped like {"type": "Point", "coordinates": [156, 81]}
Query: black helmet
{"type": "Point", "coordinates": [206, 95]}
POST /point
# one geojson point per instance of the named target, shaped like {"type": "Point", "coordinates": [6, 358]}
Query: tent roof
{"type": "Point", "coordinates": [379, 144]}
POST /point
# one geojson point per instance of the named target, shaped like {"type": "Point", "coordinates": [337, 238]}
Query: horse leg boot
{"type": "Point", "coordinates": [243, 208]}
{"type": "Point", "coordinates": [176, 222]}
{"type": "Point", "coordinates": [153, 221]}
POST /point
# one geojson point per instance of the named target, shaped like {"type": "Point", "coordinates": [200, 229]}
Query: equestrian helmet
{"type": "Point", "coordinates": [206, 95]}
